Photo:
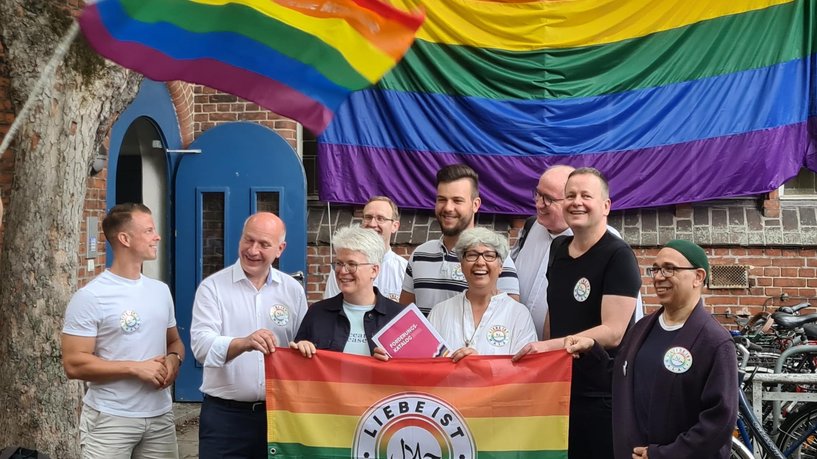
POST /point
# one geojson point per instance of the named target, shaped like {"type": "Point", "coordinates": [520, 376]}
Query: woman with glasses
{"type": "Point", "coordinates": [347, 322]}
{"type": "Point", "coordinates": [482, 320]}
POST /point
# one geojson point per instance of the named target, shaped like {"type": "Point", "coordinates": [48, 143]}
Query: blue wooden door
{"type": "Point", "coordinates": [242, 168]}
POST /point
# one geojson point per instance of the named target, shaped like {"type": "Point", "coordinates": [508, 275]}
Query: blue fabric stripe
{"type": "Point", "coordinates": [231, 48]}
{"type": "Point", "coordinates": [713, 107]}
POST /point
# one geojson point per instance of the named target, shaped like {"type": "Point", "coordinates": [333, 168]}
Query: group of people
{"type": "Point", "coordinates": [570, 284]}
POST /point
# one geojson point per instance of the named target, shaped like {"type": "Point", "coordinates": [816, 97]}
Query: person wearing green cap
{"type": "Point", "coordinates": [675, 375]}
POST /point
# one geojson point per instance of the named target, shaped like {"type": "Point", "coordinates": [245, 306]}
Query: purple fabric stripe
{"type": "Point", "coordinates": [744, 164]}
{"type": "Point", "coordinates": [155, 65]}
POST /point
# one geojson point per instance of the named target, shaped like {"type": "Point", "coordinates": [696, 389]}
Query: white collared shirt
{"type": "Point", "coordinates": [506, 325]}
{"type": "Point", "coordinates": [389, 281]}
{"type": "Point", "coordinates": [228, 306]}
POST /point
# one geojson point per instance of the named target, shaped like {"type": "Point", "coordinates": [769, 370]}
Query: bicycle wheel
{"type": "Point", "coordinates": [739, 450]}
{"type": "Point", "coordinates": [799, 433]}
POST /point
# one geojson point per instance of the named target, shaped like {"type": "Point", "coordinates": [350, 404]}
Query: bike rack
{"type": "Point", "coordinates": [778, 378]}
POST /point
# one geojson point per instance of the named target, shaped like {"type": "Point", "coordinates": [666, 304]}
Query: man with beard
{"type": "Point", "coordinates": [380, 214]}
{"type": "Point", "coordinates": [434, 273]}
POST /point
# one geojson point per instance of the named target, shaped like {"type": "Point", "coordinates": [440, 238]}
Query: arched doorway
{"type": "Point", "coordinates": [141, 176]}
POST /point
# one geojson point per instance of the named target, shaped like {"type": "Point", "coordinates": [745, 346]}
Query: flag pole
{"type": "Point", "coordinates": [45, 76]}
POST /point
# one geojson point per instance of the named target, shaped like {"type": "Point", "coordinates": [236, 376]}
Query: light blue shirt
{"type": "Point", "coordinates": [357, 343]}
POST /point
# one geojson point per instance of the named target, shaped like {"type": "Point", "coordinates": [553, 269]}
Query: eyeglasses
{"type": "Point", "coordinates": [666, 271]}
{"type": "Point", "coordinates": [378, 218]}
{"type": "Point", "coordinates": [351, 267]}
{"type": "Point", "coordinates": [547, 200]}
{"type": "Point", "coordinates": [488, 256]}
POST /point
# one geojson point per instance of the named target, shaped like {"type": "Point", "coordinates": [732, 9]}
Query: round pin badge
{"type": "Point", "coordinates": [279, 314]}
{"type": "Point", "coordinates": [678, 360]}
{"type": "Point", "coordinates": [457, 274]}
{"type": "Point", "coordinates": [499, 335]}
{"type": "Point", "coordinates": [129, 321]}
{"type": "Point", "coordinates": [581, 291]}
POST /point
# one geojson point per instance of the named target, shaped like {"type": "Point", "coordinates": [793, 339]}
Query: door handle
{"type": "Point", "coordinates": [298, 275]}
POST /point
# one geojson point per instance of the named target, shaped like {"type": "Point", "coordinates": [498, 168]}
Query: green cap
{"type": "Point", "coordinates": [692, 252]}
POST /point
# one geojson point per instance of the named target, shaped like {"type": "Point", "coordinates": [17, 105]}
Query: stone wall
{"type": "Point", "coordinates": [779, 250]}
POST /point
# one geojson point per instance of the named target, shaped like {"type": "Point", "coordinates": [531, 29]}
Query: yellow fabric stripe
{"type": "Point", "coordinates": [490, 434]}
{"type": "Point", "coordinates": [562, 24]}
{"type": "Point", "coordinates": [362, 55]}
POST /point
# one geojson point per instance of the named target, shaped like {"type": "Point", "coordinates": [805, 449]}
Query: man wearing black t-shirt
{"type": "Point", "coordinates": [592, 289]}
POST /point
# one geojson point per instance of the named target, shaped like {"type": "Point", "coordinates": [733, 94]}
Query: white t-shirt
{"type": "Point", "coordinates": [129, 319]}
{"type": "Point", "coordinates": [389, 281]}
{"type": "Point", "coordinates": [228, 306]}
{"type": "Point", "coordinates": [504, 329]}
{"type": "Point", "coordinates": [357, 342]}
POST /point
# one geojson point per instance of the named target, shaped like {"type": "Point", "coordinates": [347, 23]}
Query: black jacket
{"type": "Point", "coordinates": [326, 326]}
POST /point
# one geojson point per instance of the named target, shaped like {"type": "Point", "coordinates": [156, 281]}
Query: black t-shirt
{"type": "Point", "coordinates": [575, 290]}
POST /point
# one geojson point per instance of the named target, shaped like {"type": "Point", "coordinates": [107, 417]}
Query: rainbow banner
{"type": "Point", "coordinates": [339, 406]}
{"type": "Point", "coordinates": [674, 100]}
{"type": "Point", "coordinates": [298, 58]}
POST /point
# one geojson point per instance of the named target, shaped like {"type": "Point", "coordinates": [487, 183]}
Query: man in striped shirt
{"type": "Point", "coordinates": [433, 273]}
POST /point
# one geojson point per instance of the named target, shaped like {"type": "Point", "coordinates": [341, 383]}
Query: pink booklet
{"type": "Point", "coordinates": [410, 335]}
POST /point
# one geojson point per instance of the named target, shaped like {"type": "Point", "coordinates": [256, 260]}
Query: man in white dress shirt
{"type": "Point", "coordinates": [381, 215]}
{"type": "Point", "coordinates": [240, 314]}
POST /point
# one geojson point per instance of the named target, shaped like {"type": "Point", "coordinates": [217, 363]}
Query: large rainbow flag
{"type": "Point", "coordinates": [675, 100]}
{"type": "Point", "coordinates": [299, 58]}
{"type": "Point", "coordinates": [340, 406]}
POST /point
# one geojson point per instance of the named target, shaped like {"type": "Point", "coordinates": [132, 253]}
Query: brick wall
{"type": "Point", "coordinates": [212, 108]}
{"type": "Point", "coordinates": [95, 206]}
{"type": "Point", "coordinates": [776, 268]}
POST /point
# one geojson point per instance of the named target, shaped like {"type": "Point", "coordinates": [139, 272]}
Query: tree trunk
{"type": "Point", "coordinates": [39, 407]}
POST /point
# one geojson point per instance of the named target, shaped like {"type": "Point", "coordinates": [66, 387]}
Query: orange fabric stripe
{"type": "Point", "coordinates": [388, 35]}
{"type": "Point", "coordinates": [512, 400]}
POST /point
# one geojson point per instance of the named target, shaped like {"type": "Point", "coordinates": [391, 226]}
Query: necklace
{"type": "Point", "coordinates": [470, 341]}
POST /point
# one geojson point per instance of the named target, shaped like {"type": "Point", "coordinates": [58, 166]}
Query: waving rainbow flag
{"type": "Point", "coordinates": [297, 58]}
{"type": "Point", "coordinates": [675, 100]}
{"type": "Point", "coordinates": [339, 406]}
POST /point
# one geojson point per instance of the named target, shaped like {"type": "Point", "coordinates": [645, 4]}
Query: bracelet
{"type": "Point", "coordinates": [177, 356]}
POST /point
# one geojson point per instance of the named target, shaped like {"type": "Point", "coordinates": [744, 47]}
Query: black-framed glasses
{"type": "Point", "coordinates": [547, 200]}
{"type": "Point", "coordinates": [472, 256]}
{"type": "Point", "coordinates": [351, 267]}
{"type": "Point", "coordinates": [378, 218]}
{"type": "Point", "coordinates": [666, 271]}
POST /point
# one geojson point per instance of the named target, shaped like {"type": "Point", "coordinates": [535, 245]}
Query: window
{"type": "Point", "coordinates": [309, 149]}
{"type": "Point", "coordinates": [804, 185]}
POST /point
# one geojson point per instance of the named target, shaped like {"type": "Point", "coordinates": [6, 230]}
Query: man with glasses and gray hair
{"type": "Point", "coordinates": [381, 215]}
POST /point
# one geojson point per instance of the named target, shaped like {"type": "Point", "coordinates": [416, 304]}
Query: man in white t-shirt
{"type": "Point", "coordinates": [532, 251]}
{"type": "Point", "coordinates": [120, 336]}
{"type": "Point", "coordinates": [240, 314]}
{"type": "Point", "coordinates": [381, 215]}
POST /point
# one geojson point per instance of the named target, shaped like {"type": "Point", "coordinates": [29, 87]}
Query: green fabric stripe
{"type": "Point", "coordinates": [297, 451]}
{"type": "Point", "coordinates": [292, 42]}
{"type": "Point", "coordinates": [719, 46]}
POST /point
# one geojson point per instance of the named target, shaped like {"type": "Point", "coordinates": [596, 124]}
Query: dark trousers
{"type": "Point", "coordinates": [591, 428]}
{"type": "Point", "coordinates": [232, 430]}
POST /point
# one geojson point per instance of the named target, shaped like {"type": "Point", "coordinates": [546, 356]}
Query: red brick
{"type": "Point", "coordinates": [789, 282]}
